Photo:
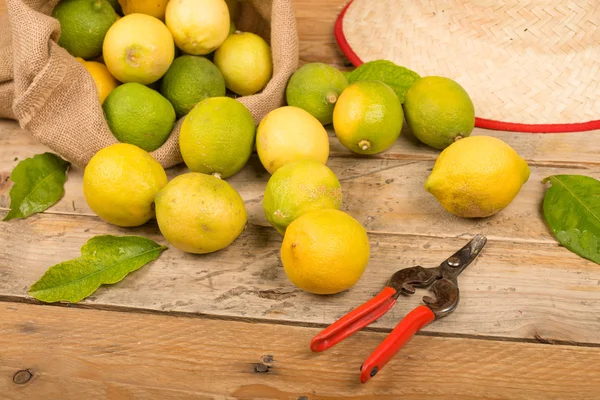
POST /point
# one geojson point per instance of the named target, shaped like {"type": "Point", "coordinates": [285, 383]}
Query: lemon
{"type": "Point", "coordinates": [368, 117]}
{"type": "Point", "coordinates": [217, 137]}
{"type": "Point", "coordinates": [477, 176]}
{"type": "Point", "coordinates": [189, 80]}
{"type": "Point", "coordinates": [139, 115]}
{"type": "Point", "coordinates": [245, 60]}
{"type": "Point", "coordinates": [104, 81]}
{"type": "Point", "coordinates": [315, 87]}
{"type": "Point", "coordinates": [325, 251]}
{"type": "Point", "coordinates": [297, 188]}
{"type": "Point", "coordinates": [198, 26]}
{"type": "Point", "coordinates": [199, 213]}
{"type": "Point", "coordinates": [83, 25]}
{"type": "Point", "coordinates": [439, 111]}
{"type": "Point", "coordinates": [120, 182]}
{"type": "Point", "coordinates": [288, 134]}
{"type": "Point", "coordinates": [155, 8]}
{"type": "Point", "coordinates": [138, 48]}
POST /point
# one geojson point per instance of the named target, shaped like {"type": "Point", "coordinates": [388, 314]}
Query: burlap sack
{"type": "Point", "coordinates": [52, 95]}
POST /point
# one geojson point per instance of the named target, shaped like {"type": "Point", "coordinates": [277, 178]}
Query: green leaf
{"type": "Point", "coordinates": [398, 78]}
{"type": "Point", "coordinates": [572, 210]}
{"type": "Point", "coordinates": [104, 259]}
{"type": "Point", "coordinates": [39, 184]}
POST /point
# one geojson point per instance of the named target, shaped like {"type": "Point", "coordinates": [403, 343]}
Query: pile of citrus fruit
{"type": "Point", "coordinates": [169, 59]}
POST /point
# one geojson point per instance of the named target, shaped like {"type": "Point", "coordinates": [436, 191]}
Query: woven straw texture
{"type": "Point", "coordinates": [521, 61]}
{"type": "Point", "coordinates": [54, 97]}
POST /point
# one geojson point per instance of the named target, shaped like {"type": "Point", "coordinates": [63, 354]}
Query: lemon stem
{"type": "Point", "coordinates": [331, 98]}
{"type": "Point", "coordinates": [364, 144]}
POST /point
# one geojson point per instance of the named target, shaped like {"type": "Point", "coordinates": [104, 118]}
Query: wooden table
{"type": "Point", "coordinates": [229, 325]}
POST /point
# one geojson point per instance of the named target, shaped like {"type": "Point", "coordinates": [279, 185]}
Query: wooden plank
{"type": "Point", "coordinates": [512, 290]}
{"type": "Point", "coordinates": [386, 195]}
{"type": "Point", "coordinates": [87, 354]}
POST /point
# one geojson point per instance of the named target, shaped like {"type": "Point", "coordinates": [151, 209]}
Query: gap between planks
{"type": "Point", "coordinates": [300, 324]}
{"type": "Point", "coordinates": [111, 355]}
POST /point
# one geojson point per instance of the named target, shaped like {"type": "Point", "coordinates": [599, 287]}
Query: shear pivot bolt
{"type": "Point", "coordinates": [453, 262]}
{"type": "Point", "coordinates": [373, 372]}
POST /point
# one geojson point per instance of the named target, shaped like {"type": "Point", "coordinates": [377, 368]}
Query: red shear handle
{"type": "Point", "coordinates": [354, 321]}
{"type": "Point", "coordinates": [402, 333]}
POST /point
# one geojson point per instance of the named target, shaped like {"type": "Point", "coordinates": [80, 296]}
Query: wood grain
{"type": "Point", "coordinates": [88, 354]}
{"type": "Point", "coordinates": [512, 290]}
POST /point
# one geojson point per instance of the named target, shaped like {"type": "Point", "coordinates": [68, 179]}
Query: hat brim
{"type": "Point", "coordinates": [481, 122]}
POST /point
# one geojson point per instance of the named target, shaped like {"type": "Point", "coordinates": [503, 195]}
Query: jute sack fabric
{"type": "Point", "coordinates": [51, 94]}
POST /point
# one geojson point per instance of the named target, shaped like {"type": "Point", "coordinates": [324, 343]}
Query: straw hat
{"type": "Point", "coordinates": [531, 66]}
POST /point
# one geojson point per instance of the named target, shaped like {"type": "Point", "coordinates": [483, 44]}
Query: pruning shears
{"type": "Point", "coordinates": [442, 281]}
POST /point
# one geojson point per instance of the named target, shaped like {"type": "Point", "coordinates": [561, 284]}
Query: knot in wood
{"type": "Point", "coordinates": [22, 377]}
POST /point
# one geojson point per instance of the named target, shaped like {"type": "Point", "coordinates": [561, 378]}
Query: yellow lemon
{"type": "Point", "coordinates": [155, 8]}
{"type": "Point", "coordinates": [368, 117]}
{"type": "Point", "coordinates": [325, 251]}
{"type": "Point", "coordinates": [477, 176]}
{"type": "Point", "coordinates": [104, 81]}
{"type": "Point", "coordinates": [120, 182]}
{"type": "Point", "coordinates": [138, 48]}
{"type": "Point", "coordinates": [199, 213]}
{"type": "Point", "coordinates": [297, 188]}
{"type": "Point", "coordinates": [198, 26]}
{"type": "Point", "coordinates": [245, 60]}
{"type": "Point", "coordinates": [288, 134]}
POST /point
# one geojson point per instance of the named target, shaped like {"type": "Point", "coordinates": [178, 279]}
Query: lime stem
{"type": "Point", "coordinates": [331, 98]}
{"type": "Point", "coordinates": [364, 144]}
{"type": "Point", "coordinates": [217, 175]}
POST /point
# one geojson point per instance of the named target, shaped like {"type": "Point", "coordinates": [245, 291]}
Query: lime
{"type": "Point", "coordinates": [139, 115]}
{"type": "Point", "coordinates": [245, 60]}
{"type": "Point", "coordinates": [120, 182]}
{"type": "Point", "coordinates": [83, 25]}
{"type": "Point", "coordinates": [315, 87]}
{"type": "Point", "coordinates": [217, 137]}
{"type": "Point", "coordinates": [477, 176]}
{"type": "Point", "coordinates": [288, 134]}
{"type": "Point", "coordinates": [189, 80]}
{"type": "Point", "coordinates": [138, 48]}
{"type": "Point", "coordinates": [439, 111]}
{"type": "Point", "coordinates": [198, 26]}
{"type": "Point", "coordinates": [297, 188]}
{"type": "Point", "coordinates": [199, 213]}
{"type": "Point", "coordinates": [325, 251]}
{"type": "Point", "coordinates": [368, 117]}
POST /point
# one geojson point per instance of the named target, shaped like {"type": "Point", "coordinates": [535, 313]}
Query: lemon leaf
{"type": "Point", "coordinates": [572, 210]}
{"type": "Point", "coordinates": [104, 259]}
{"type": "Point", "coordinates": [399, 78]}
{"type": "Point", "coordinates": [38, 184]}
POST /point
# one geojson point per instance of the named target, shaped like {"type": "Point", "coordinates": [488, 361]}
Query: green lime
{"type": "Point", "coordinates": [189, 80]}
{"type": "Point", "coordinates": [83, 25]}
{"type": "Point", "coordinates": [217, 137]}
{"type": "Point", "coordinates": [297, 188]}
{"type": "Point", "coordinates": [439, 111]}
{"type": "Point", "coordinates": [315, 87]}
{"type": "Point", "coordinates": [368, 117]}
{"type": "Point", "coordinates": [139, 115]}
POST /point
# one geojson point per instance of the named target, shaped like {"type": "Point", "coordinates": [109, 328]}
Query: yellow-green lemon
{"type": "Point", "coordinates": [477, 176]}
{"type": "Point", "coordinates": [297, 188]}
{"type": "Point", "coordinates": [368, 117]}
{"type": "Point", "coordinates": [138, 48]}
{"type": "Point", "coordinates": [199, 213]}
{"type": "Point", "coordinates": [439, 111]}
{"type": "Point", "coordinates": [315, 87]}
{"type": "Point", "coordinates": [325, 251]}
{"type": "Point", "coordinates": [217, 137]}
{"type": "Point", "coordinates": [289, 134]}
{"type": "Point", "coordinates": [120, 183]}
{"type": "Point", "coordinates": [245, 60]}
